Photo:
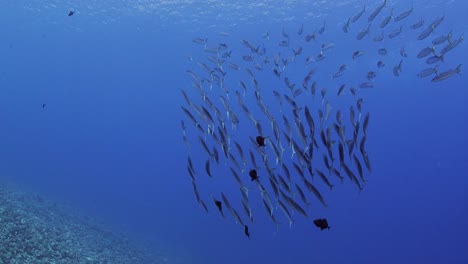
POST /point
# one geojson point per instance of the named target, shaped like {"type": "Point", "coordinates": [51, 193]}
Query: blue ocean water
{"type": "Point", "coordinates": [109, 140]}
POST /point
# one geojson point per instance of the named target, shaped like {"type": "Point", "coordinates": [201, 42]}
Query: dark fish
{"type": "Point", "coordinates": [380, 64]}
{"type": "Point", "coordinates": [322, 224]}
{"type": "Point", "coordinates": [260, 141]}
{"type": "Point", "coordinates": [207, 168]}
{"type": "Point", "coordinates": [71, 13]}
{"type": "Point", "coordinates": [246, 231]}
{"type": "Point", "coordinates": [219, 204]}
{"type": "Point", "coordinates": [253, 174]}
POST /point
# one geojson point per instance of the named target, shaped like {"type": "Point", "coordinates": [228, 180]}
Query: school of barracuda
{"type": "Point", "coordinates": [287, 156]}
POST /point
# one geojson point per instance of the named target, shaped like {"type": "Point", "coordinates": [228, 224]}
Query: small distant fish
{"type": "Point", "coordinates": [71, 13]}
{"type": "Point", "coordinates": [357, 54]}
{"type": "Point", "coordinates": [397, 69]}
{"type": "Point", "coordinates": [346, 27]}
{"type": "Point", "coordinates": [43, 106]}
{"type": "Point", "coordinates": [301, 29]}
{"type": "Point", "coordinates": [380, 64]}
{"type": "Point", "coordinates": [417, 24]}
{"type": "Point", "coordinates": [395, 32]}
{"type": "Point", "coordinates": [246, 231]}
{"type": "Point", "coordinates": [308, 38]}
{"type": "Point", "coordinates": [322, 29]}
{"type": "Point", "coordinates": [327, 46]}
{"type": "Point", "coordinates": [322, 224]}
{"type": "Point", "coordinates": [382, 51]}
{"type": "Point", "coordinates": [200, 40]}
{"type": "Point", "coordinates": [403, 53]}
{"type": "Point", "coordinates": [379, 37]}
{"type": "Point", "coordinates": [366, 85]}
{"type": "Point", "coordinates": [220, 206]}
{"type": "Point", "coordinates": [371, 75]}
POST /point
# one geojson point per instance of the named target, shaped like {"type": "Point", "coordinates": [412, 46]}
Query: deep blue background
{"type": "Point", "coordinates": [109, 139]}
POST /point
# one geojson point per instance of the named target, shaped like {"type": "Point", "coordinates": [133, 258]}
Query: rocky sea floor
{"type": "Point", "coordinates": [35, 230]}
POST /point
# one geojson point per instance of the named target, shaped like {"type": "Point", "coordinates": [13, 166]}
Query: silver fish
{"type": "Point", "coordinates": [405, 14]}
{"type": "Point", "coordinates": [376, 11]}
{"type": "Point", "coordinates": [363, 32]}
{"type": "Point", "coordinates": [447, 74]}
{"type": "Point", "coordinates": [427, 72]}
